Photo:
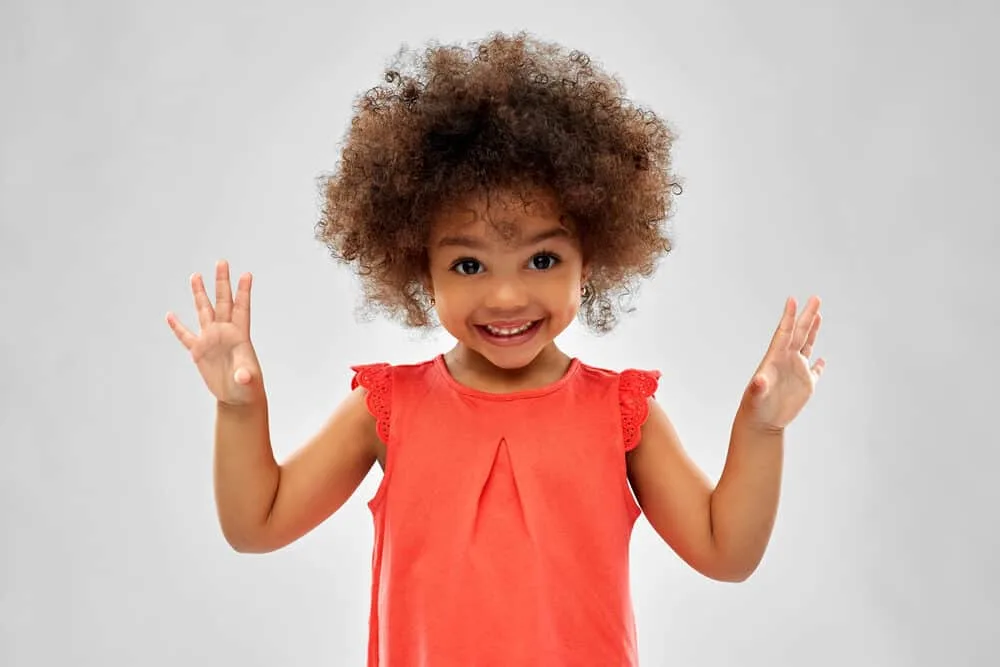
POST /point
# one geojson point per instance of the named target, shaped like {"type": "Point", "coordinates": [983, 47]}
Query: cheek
{"type": "Point", "coordinates": [563, 297]}
{"type": "Point", "coordinates": [453, 305]}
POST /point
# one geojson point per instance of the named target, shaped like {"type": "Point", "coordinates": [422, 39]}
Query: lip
{"type": "Point", "coordinates": [509, 341]}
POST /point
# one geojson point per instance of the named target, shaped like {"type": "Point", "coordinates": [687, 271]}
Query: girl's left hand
{"type": "Point", "coordinates": [785, 381]}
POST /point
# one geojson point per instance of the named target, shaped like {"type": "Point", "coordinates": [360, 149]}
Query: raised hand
{"type": "Point", "coordinates": [222, 350]}
{"type": "Point", "coordinates": [785, 381]}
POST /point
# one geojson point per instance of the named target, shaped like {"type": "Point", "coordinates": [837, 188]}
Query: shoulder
{"type": "Point", "coordinates": [374, 375]}
{"type": "Point", "coordinates": [377, 386]}
{"type": "Point", "coordinates": [632, 389]}
{"type": "Point", "coordinates": [385, 383]}
{"type": "Point", "coordinates": [627, 380]}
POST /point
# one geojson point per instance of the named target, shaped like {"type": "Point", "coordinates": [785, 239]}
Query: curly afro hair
{"type": "Point", "coordinates": [509, 112]}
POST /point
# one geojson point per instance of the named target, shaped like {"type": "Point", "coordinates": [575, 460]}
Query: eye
{"type": "Point", "coordinates": [466, 267]}
{"type": "Point", "coordinates": [543, 261]}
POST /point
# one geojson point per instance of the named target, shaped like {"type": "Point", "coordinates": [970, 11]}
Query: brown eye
{"type": "Point", "coordinates": [543, 261]}
{"type": "Point", "coordinates": [466, 267]}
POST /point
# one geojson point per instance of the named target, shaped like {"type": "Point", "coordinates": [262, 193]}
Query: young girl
{"type": "Point", "coordinates": [501, 191]}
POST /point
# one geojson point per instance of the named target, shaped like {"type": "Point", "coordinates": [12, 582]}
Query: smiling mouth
{"type": "Point", "coordinates": [509, 333]}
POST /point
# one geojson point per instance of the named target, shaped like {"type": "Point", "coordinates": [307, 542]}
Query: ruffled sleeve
{"type": "Point", "coordinates": [377, 380]}
{"type": "Point", "coordinates": [634, 390]}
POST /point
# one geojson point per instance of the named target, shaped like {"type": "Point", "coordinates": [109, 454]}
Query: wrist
{"type": "Point", "coordinates": [246, 409]}
{"type": "Point", "coordinates": [746, 421]}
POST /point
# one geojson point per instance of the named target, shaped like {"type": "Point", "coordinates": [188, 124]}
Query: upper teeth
{"type": "Point", "coordinates": [496, 331]}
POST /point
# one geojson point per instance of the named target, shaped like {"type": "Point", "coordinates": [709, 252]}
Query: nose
{"type": "Point", "coordinates": [507, 295]}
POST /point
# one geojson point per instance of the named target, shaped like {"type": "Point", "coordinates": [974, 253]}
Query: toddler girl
{"type": "Point", "coordinates": [501, 191]}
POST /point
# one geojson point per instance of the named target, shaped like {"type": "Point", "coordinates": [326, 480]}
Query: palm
{"type": "Point", "coordinates": [218, 352]}
{"type": "Point", "coordinates": [784, 381]}
{"type": "Point", "coordinates": [222, 350]}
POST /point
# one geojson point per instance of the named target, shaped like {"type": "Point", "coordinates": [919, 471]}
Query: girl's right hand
{"type": "Point", "coordinates": [222, 351]}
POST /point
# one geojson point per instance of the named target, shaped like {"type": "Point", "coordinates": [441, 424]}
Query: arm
{"type": "Point", "coordinates": [263, 506]}
{"type": "Point", "coordinates": [723, 532]}
{"type": "Point", "coordinates": [745, 502]}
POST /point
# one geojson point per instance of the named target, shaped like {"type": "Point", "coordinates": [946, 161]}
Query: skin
{"type": "Point", "coordinates": [489, 263]}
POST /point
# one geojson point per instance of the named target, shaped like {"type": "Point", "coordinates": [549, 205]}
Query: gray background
{"type": "Point", "coordinates": [848, 151]}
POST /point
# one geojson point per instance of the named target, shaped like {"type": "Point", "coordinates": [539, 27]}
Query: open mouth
{"type": "Point", "coordinates": [509, 334]}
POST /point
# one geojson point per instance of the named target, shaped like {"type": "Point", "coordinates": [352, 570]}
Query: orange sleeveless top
{"type": "Point", "coordinates": [503, 521]}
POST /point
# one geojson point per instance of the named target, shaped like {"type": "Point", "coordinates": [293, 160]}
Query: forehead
{"type": "Point", "coordinates": [502, 216]}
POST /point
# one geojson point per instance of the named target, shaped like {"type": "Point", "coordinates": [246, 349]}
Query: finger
{"type": "Point", "coordinates": [223, 292]}
{"type": "Point", "coordinates": [783, 334]}
{"type": "Point", "coordinates": [803, 326]}
{"type": "Point", "coordinates": [807, 349]}
{"type": "Point", "coordinates": [241, 307]}
{"type": "Point", "coordinates": [206, 314]}
{"type": "Point", "coordinates": [818, 367]}
{"type": "Point", "coordinates": [186, 338]}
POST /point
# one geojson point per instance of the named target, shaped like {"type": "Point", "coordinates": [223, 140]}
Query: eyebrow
{"type": "Point", "coordinates": [470, 242]}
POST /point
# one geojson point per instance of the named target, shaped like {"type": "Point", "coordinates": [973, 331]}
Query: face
{"type": "Point", "coordinates": [505, 274]}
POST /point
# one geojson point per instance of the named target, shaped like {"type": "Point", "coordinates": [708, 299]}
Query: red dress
{"type": "Point", "coordinates": [502, 522]}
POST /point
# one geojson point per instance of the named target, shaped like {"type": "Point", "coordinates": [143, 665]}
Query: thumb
{"type": "Point", "coordinates": [759, 386]}
{"type": "Point", "coordinates": [245, 363]}
{"type": "Point", "coordinates": [242, 376]}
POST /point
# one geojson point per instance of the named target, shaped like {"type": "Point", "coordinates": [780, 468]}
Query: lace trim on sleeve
{"type": "Point", "coordinates": [635, 388]}
{"type": "Point", "coordinates": [377, 380]}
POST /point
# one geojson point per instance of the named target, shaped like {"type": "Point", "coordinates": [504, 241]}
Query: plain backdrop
{"type": "Point", "coordinates": [846, 150]}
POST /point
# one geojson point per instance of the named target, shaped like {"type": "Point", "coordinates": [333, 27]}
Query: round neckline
{"type": "Point", "coordinates": [439, 363]}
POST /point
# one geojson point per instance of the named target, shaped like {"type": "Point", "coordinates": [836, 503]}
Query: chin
{"type": "Point", "coordinates": [509, 361]}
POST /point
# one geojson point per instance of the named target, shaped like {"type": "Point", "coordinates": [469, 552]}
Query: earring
{"type": "Point", "coordinates": [585, 292]}
{"type": "Point", "coordinates": [433, 302]}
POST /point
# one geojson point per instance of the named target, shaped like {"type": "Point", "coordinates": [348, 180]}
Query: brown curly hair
{"type": "Point", "coordinates": [507, 112]}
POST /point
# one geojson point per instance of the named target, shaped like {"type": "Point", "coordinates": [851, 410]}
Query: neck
{"type": "Point", "coordinates": [473, 369]}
